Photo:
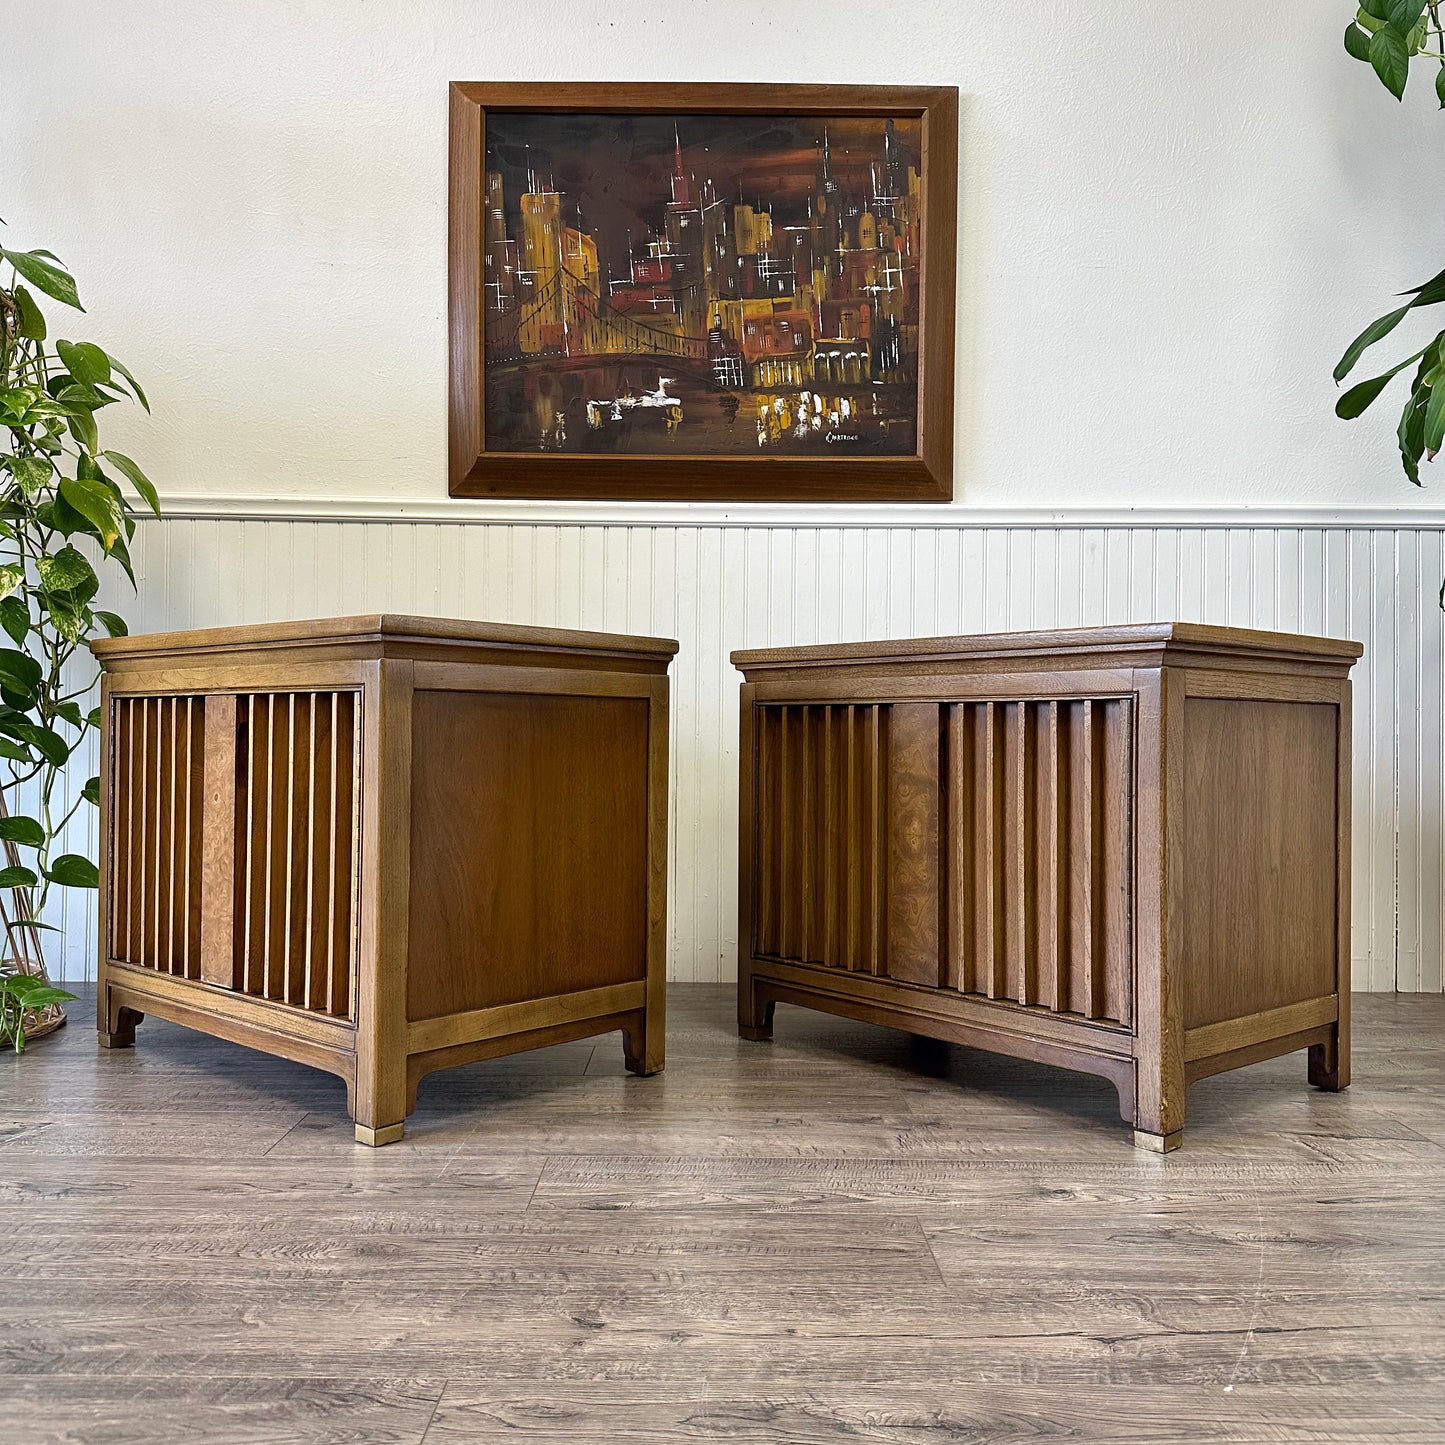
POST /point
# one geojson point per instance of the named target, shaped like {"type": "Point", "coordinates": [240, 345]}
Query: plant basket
{"type": "Point", "coordinates": [23, 944]}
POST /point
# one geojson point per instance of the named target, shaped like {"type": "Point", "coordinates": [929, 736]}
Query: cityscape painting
{"type": "Point", "coordinates": [698, 285]}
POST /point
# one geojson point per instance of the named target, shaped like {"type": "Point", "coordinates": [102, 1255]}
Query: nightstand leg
{"type": "Point", "coordinates": [1158, 1143]}
{"type": "Point", "coordinates": [115, 1028]}
{"type": "Point", "coordinates": [644, 1045]}
{"type": "Point", "coordinates": [755, 1020]}
{"type": "Point", "coordinates": [1329, 1063]}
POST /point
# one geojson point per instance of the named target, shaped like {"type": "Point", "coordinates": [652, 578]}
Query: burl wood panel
{"type": "Point", "coordinates": [1259, 914]}
{"type": "Point", "coordinates": [540, 863]}
{"type": "Point", "coordinates": [1121, 850]}
{"type": "Point", "coordinates": [384, 846]}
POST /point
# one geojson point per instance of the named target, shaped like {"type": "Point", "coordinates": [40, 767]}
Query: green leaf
{"type": "Point", "coordinates": [32, 473]}
{"type": "Point", "coordinates": [1357, 398]}
{"type": "Point", "coordinates": [61, 517]}
{"type": "Point", "coordinates": [12, 574]}
{"type": "Point", "coordinates": [44, 276]}
{"type": "Point", "coordinates": [70, 617]}
{"type": "Point", "coordinates": [135, 386]}
{"type": "Point", "coordinates": [1374, 332]}
{"type": "Point", "coordinates": [96, 504]}
{"type": "Point", "coordinates": [1357, 42]}
{"type": "Point", "coordinates": [31, 991]}
{"type": "Point", "coordinates": [1411, 435]}
{"type": "Point", "coordinates": [1404, 13]}
{"type": "Point", "coordinates": [32, 319]}
{"type": "Point", "coordinates": [17, 877]}
{"type": "Point", "coordinates": [85, 361]}
{"type": "Point", "coordinates": [1434, 420]}
{"type": "Point", "coordinates": [19, 671]}
{"type": "Point", "coordinates": [138, 478]}
{"type": "Point", "coordinates": [22, 986]}
{"type": "Point", "coordinates": [1391, 58]}
{"type": "Point", "coordinates": [91, 791]}
{"type": "Point", "coordinates": [45, 995]}
{"type": "Point", "coordinates": [1440, 86]}
{"type": "Point", "coordinates": [82, 428]}
{"type": "Point", "coordinates": [46, 741]}
{"type": "Point", "coordinates": [115, 626]}
{"type": "Point", "coordinates": [18, 401]}
{"type": "Point", "coordinates": [67, 571]}
{"type": "Point", "coordinates": [15, 619]}
{"type": "Point", "coordinates": [22, 830]}
{"type": "Point", "coordinates": [73, 871]}
{"type": "Point", "coordinates": [119, 552]}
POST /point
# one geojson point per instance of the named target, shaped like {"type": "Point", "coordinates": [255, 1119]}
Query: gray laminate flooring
{"type": "Point", "coordinates": [848, 1235]}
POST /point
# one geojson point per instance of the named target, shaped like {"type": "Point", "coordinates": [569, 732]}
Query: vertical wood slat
{"type": "Point", "coordinates": [1087, 996]}
{"type": "Point", "coordinates": [159, 959]}
{"type": "Point", "coordinates": [142, 834]}
{"type": "Point", "coordinates": [335, 989]}
{"type": "Point", "coordinates": [271, 914]}
{"type": "Point", "coordinates": [877, 851]}
{"type": "Point", "coordinates": [808, 837]}
{"type": "Point", "coordinates": [828, 943]}
{"type": "Point", "coordinates": [1116, 872]}
{"type": "Point", "coordinates": [765, 912]}
{"type": "Point", "coordinates": [1051, 852]}
{"type": "Point", "coordinates": [992, 968]}
{"type": "Point", "coordinates": [245, 873]}
{"type": "Point", "coordinates": [309, 994]}
{"type": "Point", "coordinates": [853, 868]}
{"type": "Point", "coordinates": [218, 843]}
{"type": "Point", "coordinates": [787, 879]}
{"type": "Point", "coordinates": [914, 892]}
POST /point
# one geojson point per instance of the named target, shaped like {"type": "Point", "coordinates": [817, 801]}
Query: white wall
{"type": "Point", "coordinates": [1173, 219]}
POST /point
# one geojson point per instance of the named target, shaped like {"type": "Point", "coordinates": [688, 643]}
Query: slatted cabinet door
{"type": "Point", "coordinates": [1038, 844]}
{"type": "Point", "coordinates": [978, 846]}
{"type": "Point", "coordinates": [257, 892]}
{"type": "Point", "coordinates": [157, 755]}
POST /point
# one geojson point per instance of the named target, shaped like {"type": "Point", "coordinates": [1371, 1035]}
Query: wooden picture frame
{"type": "Point", "coordinates": [924, 472]}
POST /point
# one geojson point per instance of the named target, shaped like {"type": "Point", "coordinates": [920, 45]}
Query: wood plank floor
{"type": "Point", "coordinates": [846, 1235]}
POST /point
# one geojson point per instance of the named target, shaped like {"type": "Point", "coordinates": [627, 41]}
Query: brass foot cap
{"type": "Point", "coordinates": [1158, 1143]}
{"type": "Point", "coordinates": [387, 1134]}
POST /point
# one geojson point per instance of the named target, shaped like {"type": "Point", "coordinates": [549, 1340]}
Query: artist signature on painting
{"type": "Point", "coordinates": [844, 436]}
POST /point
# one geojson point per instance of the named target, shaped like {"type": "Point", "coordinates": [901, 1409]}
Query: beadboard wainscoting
{"type": "Point", "coordinates": [718, 580]}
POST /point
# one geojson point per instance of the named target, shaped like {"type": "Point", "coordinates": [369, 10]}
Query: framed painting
{"type": "Point", "coordinates": [702, 292]}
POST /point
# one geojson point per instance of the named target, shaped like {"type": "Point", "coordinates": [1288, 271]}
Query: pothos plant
{"type": "Point", "coordinates": [62, 514]}
{"type": "Point", "coordinates": [1388, 35]}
